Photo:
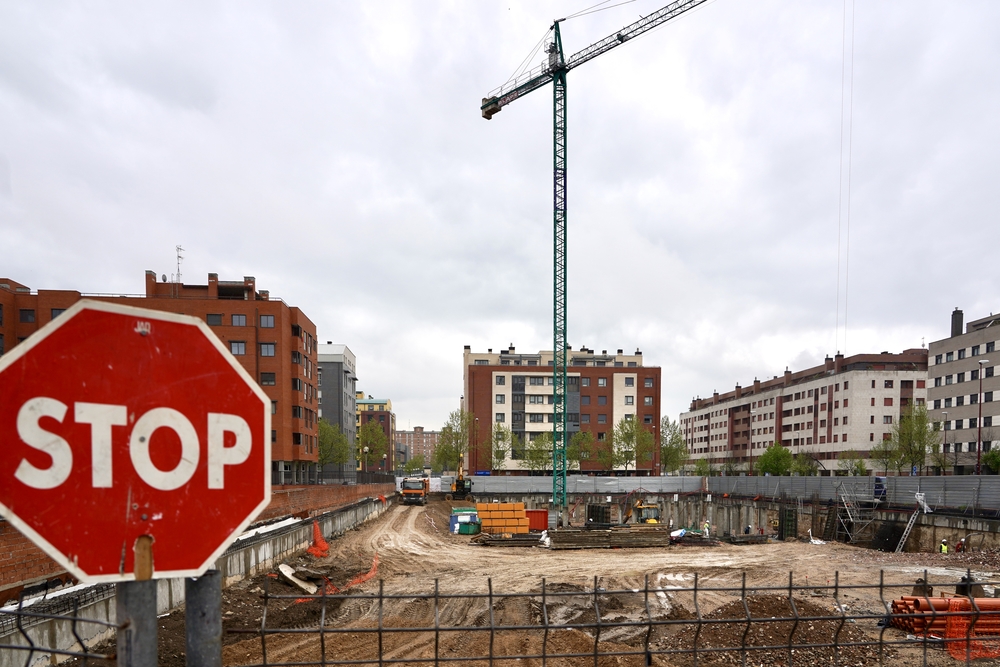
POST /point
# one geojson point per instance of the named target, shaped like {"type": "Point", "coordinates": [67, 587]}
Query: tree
{"type": "Point", "coordinates": [453, 442]}
{"type": "Point", "coordinates": [631, 444]}
{"type": "Point", "coordinates": [703, 468]}
{"type": "Point", "coordinates": [913, 435]}
{"type": "Point", "coordinates": [673, 451]}
{"type": "Point", "coordinates": [804, 464]}
{"type": "Point", "coordinates": [333, 445]}
{"type": "Point", "coordinates": [851, 463]}
{"type": "Point", "coordinates": [538, 452]}
{"type": "Point", "coordinates": [939, 459]}
{"type": "Point", "coordinates": [499, 446]}
{"type": "Point", "coordinates": [582, 447]}
{"type": "Point", "coordinates": [886, 454]}
{"type": "Point", "coordinates": [731, 466]}
{"type": "Point", "coordinates": [604, 452]}
{"type": "Point", "coordinates": [372, 436]}
{"type": "Point", "coordinates": [992, 460]}
{"type": "Point", "coordinates": [416, 464]}
{"type": "Point", "coordinates": [776, 460]}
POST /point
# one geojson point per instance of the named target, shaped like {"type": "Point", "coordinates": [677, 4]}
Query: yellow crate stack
{"type": "Point", "coordinates": [500, 518]}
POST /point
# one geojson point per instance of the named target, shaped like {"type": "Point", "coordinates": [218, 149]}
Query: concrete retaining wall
{"type": "Point", "coordinates": [245, 558]}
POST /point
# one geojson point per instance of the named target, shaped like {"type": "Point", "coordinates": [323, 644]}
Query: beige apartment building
{"type": "Point", "coordinates": [846, 403]}
{"type": "Point", "coordinates": [961, 374]}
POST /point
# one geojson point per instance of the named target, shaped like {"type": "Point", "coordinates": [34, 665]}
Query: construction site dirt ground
{"type": "Point", "coordinates": [415, 549]}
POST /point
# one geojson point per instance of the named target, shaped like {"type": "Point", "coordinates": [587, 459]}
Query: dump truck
{"type": "Point", "coordinates": [415, 490]}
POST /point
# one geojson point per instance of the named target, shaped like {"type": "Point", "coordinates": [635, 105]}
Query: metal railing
{"type": "Point", "coordinates": [652, 625]}
{"type": "Point", "coordinates": [18, 621]}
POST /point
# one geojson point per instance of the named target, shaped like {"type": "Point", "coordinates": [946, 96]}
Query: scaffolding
{"type": "Point", "coordinates": [855, 512]}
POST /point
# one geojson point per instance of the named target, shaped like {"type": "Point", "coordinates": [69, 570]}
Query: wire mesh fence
{"type": "Point", "coordinates": [656, 624]}
{"type": "Point", "coordinates": [22, 643]}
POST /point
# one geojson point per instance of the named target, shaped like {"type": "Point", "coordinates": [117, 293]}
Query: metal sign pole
{"type": "Point", "coordinates": [203, 620]}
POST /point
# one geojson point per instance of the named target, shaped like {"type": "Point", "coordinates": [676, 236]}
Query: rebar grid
{"type": "Point", "coordinates": [644, 652]}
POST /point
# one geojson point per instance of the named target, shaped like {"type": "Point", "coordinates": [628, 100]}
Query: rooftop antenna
{"type": "Point", "coordinates": [177, 276]}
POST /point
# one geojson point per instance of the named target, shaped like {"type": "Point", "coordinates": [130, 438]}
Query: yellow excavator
{"type": "Point", "coordinates": [462, 487]}
{"type": "Point", "coordinates": [643, 512]}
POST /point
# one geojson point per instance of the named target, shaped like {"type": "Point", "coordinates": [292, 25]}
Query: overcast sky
{"type": "Point", "coordinates": [335, 151]}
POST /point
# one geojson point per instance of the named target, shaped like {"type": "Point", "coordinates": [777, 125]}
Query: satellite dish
{"type": "Point", "coordinates": [164, 277]}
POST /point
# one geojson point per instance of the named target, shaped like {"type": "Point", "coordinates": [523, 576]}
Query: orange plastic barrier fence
{"type": "Point", "coordinates": [965, 642]}
{"type": "Point", "coordinates": [319, 547]}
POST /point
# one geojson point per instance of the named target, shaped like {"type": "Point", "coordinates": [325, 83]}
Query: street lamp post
{"type": "Point", "coordinates": [365, 450]}
{"type": "Point", "coordinates": [750, 442]}
{"type": "Point", "coordinates": [979, 423]}
{"type": "Point", "coordinates": [945, 413]}
{"type": "Point", "coordinates": [383, 461]}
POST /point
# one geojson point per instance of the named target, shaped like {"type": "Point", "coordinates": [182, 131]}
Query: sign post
{"type": "Point", "coordinates": [133, 447]}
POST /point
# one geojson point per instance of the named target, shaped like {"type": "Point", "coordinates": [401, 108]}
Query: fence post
{"type": "Point", "coordinates": [203, 620]}
{"type": "Point", "coordinates": [135, 613]}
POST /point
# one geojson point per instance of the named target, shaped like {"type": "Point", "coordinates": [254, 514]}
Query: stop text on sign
{"type": "Point", "coordinates": [102, 417]}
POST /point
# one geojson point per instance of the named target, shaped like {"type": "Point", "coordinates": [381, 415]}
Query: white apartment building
{"type": "Point", "coordinates": [845, 404]}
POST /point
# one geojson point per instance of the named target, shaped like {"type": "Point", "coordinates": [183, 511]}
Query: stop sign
{"type": "Point", "coordinates": [119, 422]}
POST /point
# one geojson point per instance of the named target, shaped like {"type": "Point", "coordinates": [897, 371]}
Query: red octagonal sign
{"type": "Point", "coordinates": [118, 423]}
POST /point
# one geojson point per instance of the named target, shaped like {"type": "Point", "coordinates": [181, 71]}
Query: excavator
{"type": "Point", "coordinates": [643, 512]}
{"type": "Point", "coordinates": [461, 487]}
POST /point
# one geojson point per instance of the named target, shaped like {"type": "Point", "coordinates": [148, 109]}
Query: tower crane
{"type": "Point", "coordinates": [554, 69]}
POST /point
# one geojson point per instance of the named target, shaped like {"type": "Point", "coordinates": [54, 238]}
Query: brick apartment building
{"type": "Point", "coordinates": [516, 390]}
{"type": "Point", "coordinates": [962, 378]}
{"type": "Point", "coordinates": [379, 410]}
{"type": "Point", "coordinates": [275, 343]}
{"type": "Point", "coordinates": [418, 442]}
{"type": "Point", "coordinates": [844, 404]}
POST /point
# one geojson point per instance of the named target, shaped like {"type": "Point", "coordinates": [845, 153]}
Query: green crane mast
{"type": "Point", "coordinates": [554, 69]}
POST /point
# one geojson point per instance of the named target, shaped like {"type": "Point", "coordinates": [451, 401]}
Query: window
{"type": "Point", "coordinates": [948, 379]}
{"type": "Point", "coordinates": [296, 357]}
{"type": "Point", "coordinates": [267, 379]}
{"type": "Point", "coordinates": [296, 384]}
{"type": "Point", "coordinates": [947, 402]}
{"type": "Point", "coordinates": [27, 315]}
{"type": "Point", "coordinates": [836, 421]}
{"type": "Point", "coordinates": [836, 404]}
{"type": "Point", "coordinates": [648, 383]}
{"type": "Point", "coordinates": [989, 372]}
{"type": "Point", "coordinates": [937, 359]}
{"type": "Point", "coordinates": [296, 412]}
{"type": "Point", "coordinates": [267, 321]}
{"type": "Point", "coordinates": [987, 421]}
{"type": "Point", "coordinates": [872, 419]}
{"type": "Point", "coordinates": [238, 347]}
{"type": "Point", "coordinates": [845, 385]}
{"type": "Point", "coordinates": [630, 400]}
{"type": "Point", "coordinates": [214, 319]}
{"type": "Point", "coordinates": [1, 343]}
{"type": "Point", "coordinates": [845, 420]}
{"type": "Point", "coordinates": [296, 438]}
{"type": "Point", "coordinates": [888, 384]}
{"type": "Point", "coordinates": [501, 380]}
{"type": "Point", "coordinates": [274, 436]}
{"type": "Point", "coordinates": [873, 401]}
{"type": "Point", "coordinates": [887, 419]}
{"type": "Point", "coordinates": [602, 382]}
{"type": "Point", "coordinates": [887, 402]}
{"type": "Point", "coordinates": [937, 403]}
{"type": "Point", "coordinates": [975, 350]}
{"type": "Point", "coordinates": [990, 347]}
{"type": "Point", "coordinates": [921, 384]}
{"type": "Point", "coordinates": [987, 396]}
{"type": "Point", "coordinates": [238, 320]}
{"type": "Point", "coordinates": [972, 422]}
{"type": "Point", "coordinates": [1, 314]}
{"type": "Point", "coordinates": [536, 418]}
{"type": "Point", "coordinates": [950, 356]}
{"type": "Point", "coordinates": [629, 381]}
{"type": "Point", "coordinates": [959, 401]}
{"type": "Point", "coordinates": [585, 400]}
{"type": "Point", "coordinates": [937, 382]}
{"type": "Point", "coordinates": [974, 375]}
{"type": "Point", "coordinates": [873, 384]}
{"type": "Point", "coordinates": [500, 417]}
{"type": "Point", "coordinates": [274, 407]}
{"type": "Point", "coordinates": [845, 402]}
{"type": "Point", "coordinates": [549, 380]}
{"type": "Point", "coordinates": [647, 400]}
{"type": "Point", "coordinates": [602, 419]}
{"type": "Point", "coordinates": [536, 399]}
{"type": "Point", "coordinates": [958, 424]}
{"type": "Point", "coordinates": [537, 381]}
{"type": "Point", "coordinates": [602, 400]}
{"type": "Point", "coordinates": [501, 399]}
{"type": "Point", "coordinates": [961, 353]}
{"type": "Point", "coordinates": [267, 349]}
{"type": "Point", "coordinates": [584, 419]}
{"type": "Point", "coordinates": [482, 362]}
{"type": "Point", "coordinates": [56, 312]}
{"type": "Point", "coordinates": [960, 377]}
{"type": "Point", "coordinates": [584, 382]}
{"type": "Point", "coordinates": [601, 436]}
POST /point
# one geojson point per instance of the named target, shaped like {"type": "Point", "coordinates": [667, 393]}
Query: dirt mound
{"type": "Point", "coordinates": [764, 631]}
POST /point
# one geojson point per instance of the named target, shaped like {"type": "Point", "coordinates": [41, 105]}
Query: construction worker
{"type": "Point", "coordinates": [707, 528]}
{"type": "Point", "coordinates": [943, 548]}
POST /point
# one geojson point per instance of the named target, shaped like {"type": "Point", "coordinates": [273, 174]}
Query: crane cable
{"type": "Point", "coordinates": [842, 219]}
{"type": "Point", "coordinates": [527, 60]}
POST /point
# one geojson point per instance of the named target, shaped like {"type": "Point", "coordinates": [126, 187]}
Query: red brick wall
{"type": "Point", "coordinates": [23, 564]}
